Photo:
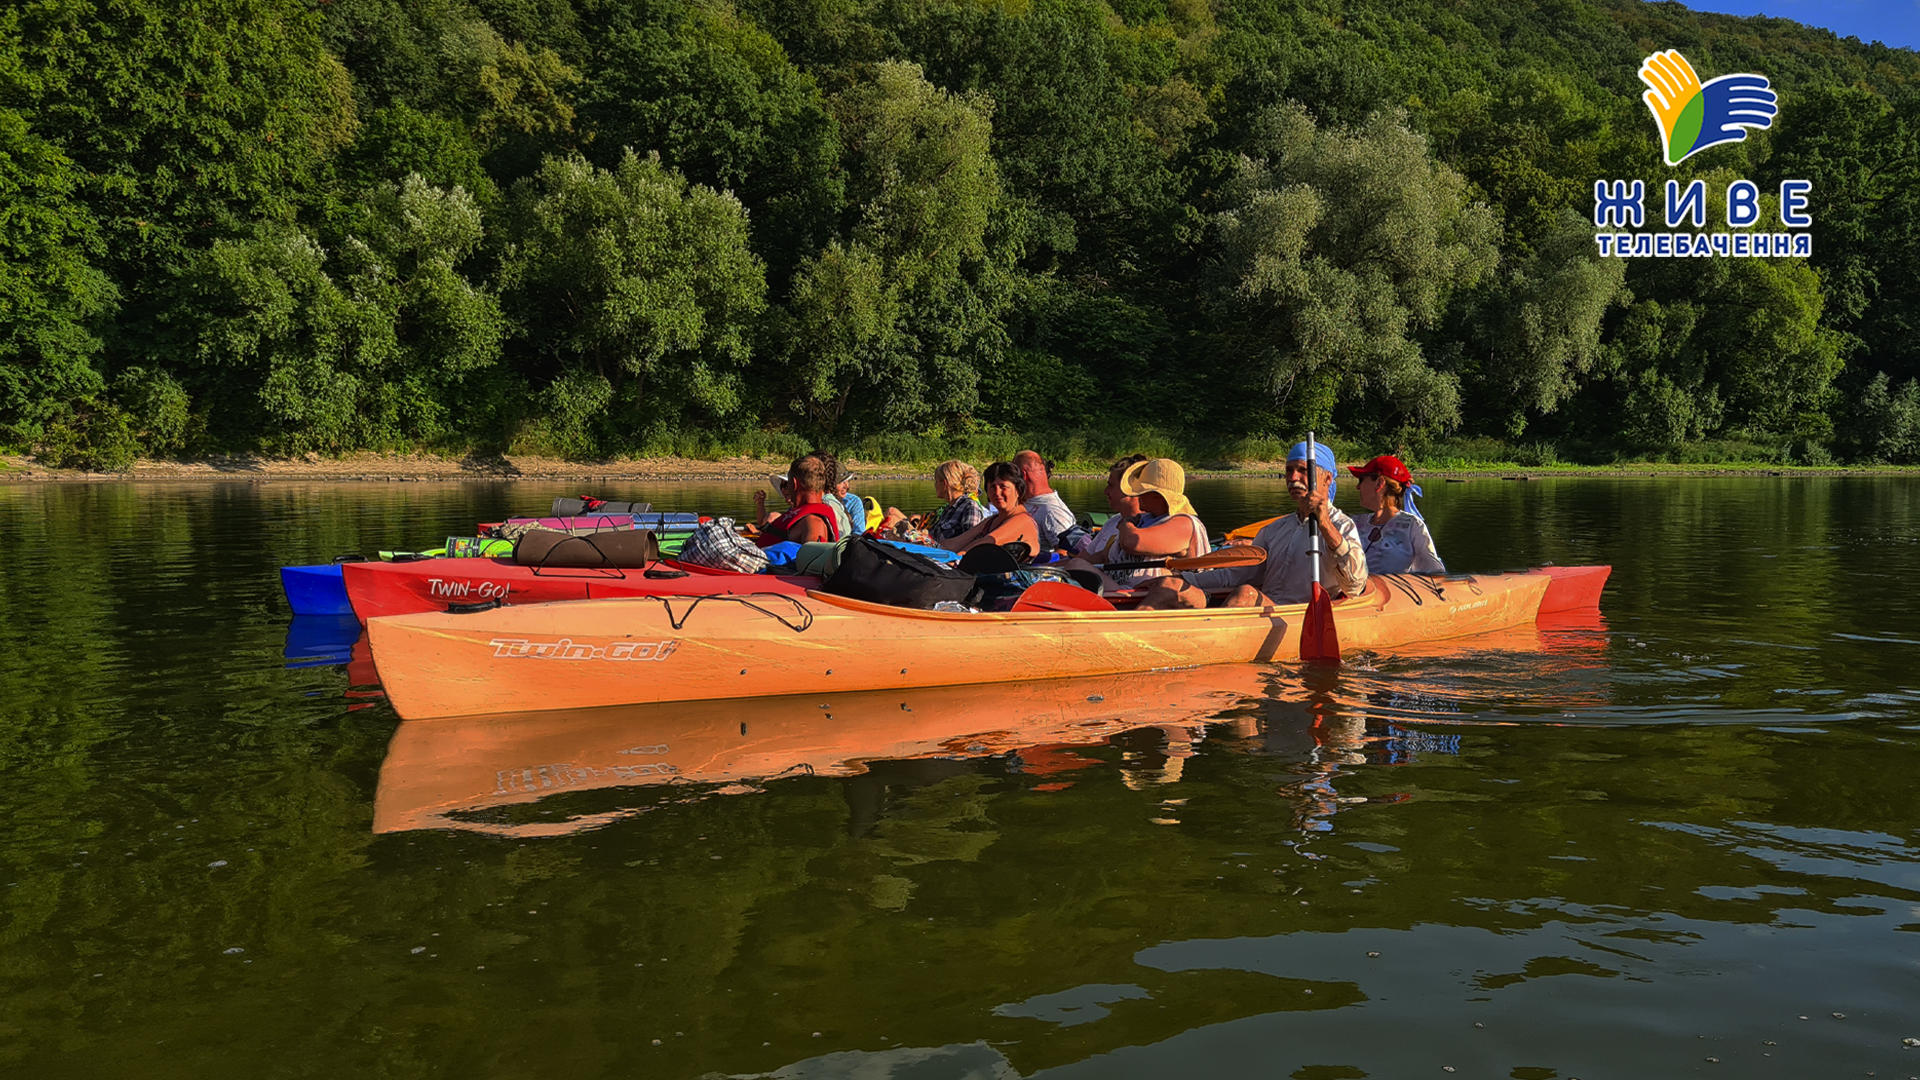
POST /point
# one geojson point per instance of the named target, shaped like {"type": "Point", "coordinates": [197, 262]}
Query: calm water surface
{"type": "Point", "coordinates": [1679, 841]}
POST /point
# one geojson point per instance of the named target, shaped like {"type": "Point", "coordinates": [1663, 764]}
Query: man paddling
{"type": "Point", "coordinates": [1283, 578]}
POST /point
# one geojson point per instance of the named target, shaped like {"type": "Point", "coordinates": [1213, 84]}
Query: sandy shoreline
{"type": "Point", "coordinates": [391, 468]}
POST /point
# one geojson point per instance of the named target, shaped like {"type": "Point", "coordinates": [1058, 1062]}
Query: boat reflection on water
{"type": "Point", "coordinates": [1393, 710]}
{"type": "Point", "coordinates": [481, 774]}
{"type": "Point", "coordinates": [320, 640]}
{"type": "Point", "coordinates": [447, 773]}
{"type": "Point", "coordinates": [335, 641]}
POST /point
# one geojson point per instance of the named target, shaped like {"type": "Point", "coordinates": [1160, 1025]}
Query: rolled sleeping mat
{"type": "Point", "coordinates": [544, 548]}
{"type": "Point", "coordinates": [573, 506]}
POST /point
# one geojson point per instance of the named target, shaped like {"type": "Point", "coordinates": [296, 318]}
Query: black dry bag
{"type": "Point", "coordinates": [883, 574]}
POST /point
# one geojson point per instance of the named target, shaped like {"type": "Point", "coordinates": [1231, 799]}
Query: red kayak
{"type": "Point", "coordinates": [1573, 588]}
{"type": "Point", "coordinates": [404, 588]}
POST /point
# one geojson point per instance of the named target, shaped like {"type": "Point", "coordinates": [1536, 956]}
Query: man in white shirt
{"type": "Point", "coordinates": [1285, 578]}
{"type": "Point", "coordinates": [1049, 511]}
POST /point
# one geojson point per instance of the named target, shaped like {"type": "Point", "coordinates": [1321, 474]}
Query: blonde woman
{"type": "Point", "coordinates": [955, 484]}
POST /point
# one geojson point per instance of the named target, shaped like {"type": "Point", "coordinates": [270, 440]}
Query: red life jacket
{"type": "Point", "coordinates": [775, 531]}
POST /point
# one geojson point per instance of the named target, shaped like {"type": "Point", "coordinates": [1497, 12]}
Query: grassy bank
{"type": "Point", "coordinates": [1093, 449]}
{"type": "Point", "coordinates": [701, 456]}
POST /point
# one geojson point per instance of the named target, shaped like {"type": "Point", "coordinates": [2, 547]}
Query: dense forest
{"type": "Point", "coordinates": [606, 227]}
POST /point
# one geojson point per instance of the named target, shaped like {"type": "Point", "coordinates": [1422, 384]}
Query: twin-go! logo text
{"type": "Point", "coordinates": [1693, 116]}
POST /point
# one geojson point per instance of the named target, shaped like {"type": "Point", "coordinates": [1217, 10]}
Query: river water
{"type": "Point", "coordinates": [1677, 840]}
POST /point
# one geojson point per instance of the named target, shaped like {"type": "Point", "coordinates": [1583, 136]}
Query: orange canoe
{"type": "Point", "coordinates": [644, 650]}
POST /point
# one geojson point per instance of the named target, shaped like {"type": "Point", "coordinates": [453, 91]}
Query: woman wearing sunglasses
{"type": "Point", "coordinates": [1392, 532]}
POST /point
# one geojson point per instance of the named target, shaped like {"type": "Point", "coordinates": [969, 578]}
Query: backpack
{"type": "Point", "coordinates": [883, 574]}
{"type": "Point", "coordinates": [714, 545]}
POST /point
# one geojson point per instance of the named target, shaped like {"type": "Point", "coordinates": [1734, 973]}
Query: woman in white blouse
{"type": "Point", "coordinates": [1392, 532]}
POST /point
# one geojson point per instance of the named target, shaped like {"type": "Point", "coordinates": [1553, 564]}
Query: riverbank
{"type": "Point", "coordinates": [390, 468]}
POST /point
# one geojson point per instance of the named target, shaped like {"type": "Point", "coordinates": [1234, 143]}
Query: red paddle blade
{"type": "Point", "coordinates": [1319, 641]}
{"type": "Point", "coordinates": [1059, 596]}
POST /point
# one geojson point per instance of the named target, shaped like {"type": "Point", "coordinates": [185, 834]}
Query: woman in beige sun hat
{"type": "Point", "coordinates": [1165, 527]}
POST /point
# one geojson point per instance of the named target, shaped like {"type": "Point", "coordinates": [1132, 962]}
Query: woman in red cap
{"type": "Point", "coordinates": [1392, 532]}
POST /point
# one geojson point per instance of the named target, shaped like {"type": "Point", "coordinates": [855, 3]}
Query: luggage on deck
{"type": "Point", "coordinates": [883, 574]}
{"type": "Point", "coordinates": [716, 546]}
{"type": "Point", "coordinates": [626, 549]}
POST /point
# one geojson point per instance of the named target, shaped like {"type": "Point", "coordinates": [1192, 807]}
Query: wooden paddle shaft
{"type": "Point", "coordinates": [1230, 556]}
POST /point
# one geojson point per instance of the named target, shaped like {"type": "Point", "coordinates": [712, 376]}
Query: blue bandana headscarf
{"type": "Point", "coordinates": [1322, 456]}
{"type": "Point", "coordinates": [1406, 501]}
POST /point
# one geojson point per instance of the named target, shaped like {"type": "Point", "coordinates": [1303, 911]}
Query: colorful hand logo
{"type": "Point", "coordinates": [1693, 116]}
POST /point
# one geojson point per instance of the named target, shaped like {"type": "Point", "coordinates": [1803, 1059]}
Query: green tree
{"type": "Point", "coordinates": [445, 328]}
{"type": "Point", "coordinates": [1540, 326]}
{"type": "Point", "coordinates": [190, 117]}
{"type": "Point", "coordinates": [1336, 250]}
{"type": "Point", "coordinates": [635, 277]}
{"type": "Point", "coordinates": [1765, 349]}
{"type": "Point", "coordinates": [1083, 356]}
{"type": "Point", "coordinates": [1654, 394]}
{"type": "Point", "coordinates": [1734, 347]}
{"type": "Point", "coordinates": [1861, 152]}
{"type": "Point", "coordinates": [283, 347]}
{"type": "Point", "coordinates": [718, 99]}
{"type": "Point", "coordinates": [53, 299]}
{"type": "Point", "coordinates": [400, 140]}
{"type": "Point", "coordinates": [890, 326]}
{"type": "Point", "coordinates": [1092, 114]}
{"type": "Point", "coordinates": [366, 345]}
{"type": "Point", "coordinates": [1886, 422]}
{"type": "Point", "coordinates": [444, 56]}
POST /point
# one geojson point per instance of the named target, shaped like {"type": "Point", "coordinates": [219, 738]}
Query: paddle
{"type": "Point", "coordinates": [1059, 596]}
{"type": "Point", "coordinates": [1230, 556]}
{"type": "Point", "coordinates": [1319, 641]}
{"type": "Point", "coordinates": [1248, 532]}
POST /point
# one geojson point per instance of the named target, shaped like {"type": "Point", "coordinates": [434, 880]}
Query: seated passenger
{"type": "Point", "coordinates": [1095, 549]}
{"type": "Point", "coordinates": [1285, 578]}
{"type": "Point", "coordinates": [954, 484]}
{"type": "Point", "coordinates": [1393, 534]}
{"type": "Point", "coordinates": [1168, 527]}
{"type": "Point", "coordinates": [855, 507]}
{"type": "Point", "coordinates": [1153, 520]}
{"type": "Point", "coordinates": [810, 518]}
{"type": "Point", "coordinates": [1009, 522]}
{"type": "Point", "coordinates": [1049, 510]}
{"type": "Point", "coordinates": [843, 521]}
{"type": "Point", "coordinates": [1103, 546]}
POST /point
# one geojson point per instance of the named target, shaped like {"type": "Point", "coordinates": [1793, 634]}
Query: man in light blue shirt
{"type": "Point", "coordinates": [1049, 511]}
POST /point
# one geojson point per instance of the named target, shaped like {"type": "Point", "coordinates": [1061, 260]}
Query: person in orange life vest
{"type": "Point", "coordinates": [810, 517]}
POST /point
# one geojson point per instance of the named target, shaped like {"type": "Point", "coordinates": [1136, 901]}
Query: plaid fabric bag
{"type": "Point", "coordinates": [714, 545]}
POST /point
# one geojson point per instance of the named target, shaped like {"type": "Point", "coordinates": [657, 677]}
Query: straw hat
{"type": "Point", "coordinates": [1162, 475]}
